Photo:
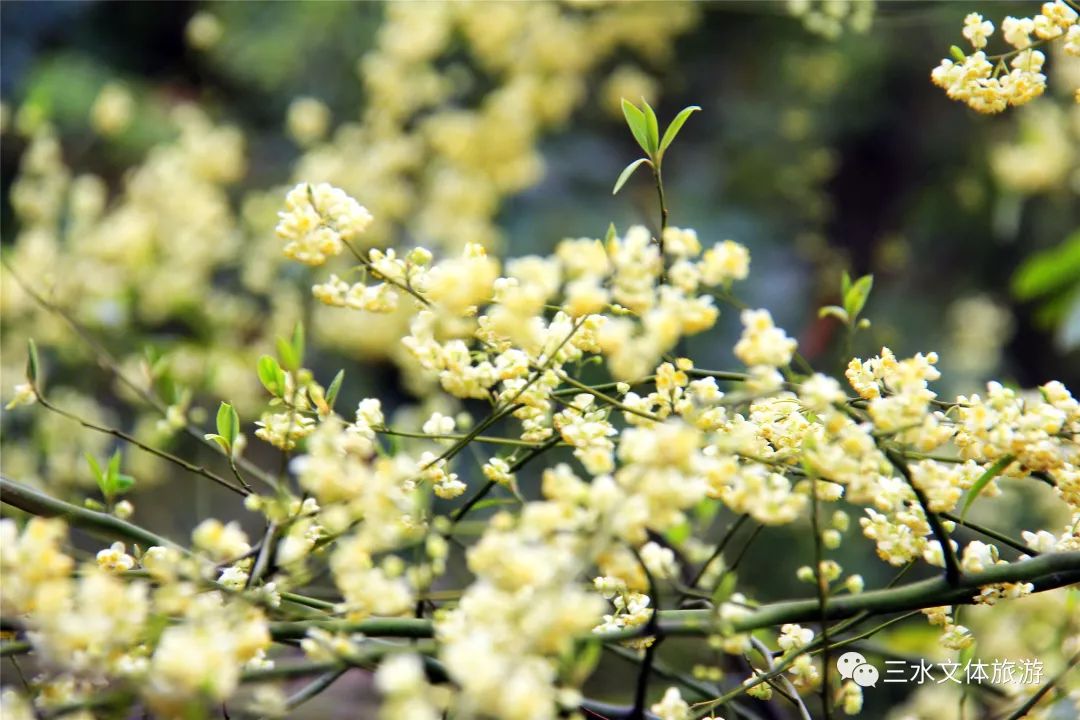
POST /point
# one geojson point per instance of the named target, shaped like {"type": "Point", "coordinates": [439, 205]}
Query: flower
{"type": "Point", "coordinates": [307, 120]}
{"type": "Point", "coordinates": [114, 559]}
{"type": "Point", "coordinates": [317, 220]}
{"type": "Point", "coordinates": [762, 343]}
{"type": "Point", "coordinates": [977, 30]}
{"type": "Point", "coordinates": [672, 706]}
{"type": "Point", "coordinates": [24, 395]}
{"type": "Point", "coordinates": [112, 110]}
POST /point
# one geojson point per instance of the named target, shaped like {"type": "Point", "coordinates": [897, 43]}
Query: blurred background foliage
{"type": "Point", "coordinates": [822, 147]}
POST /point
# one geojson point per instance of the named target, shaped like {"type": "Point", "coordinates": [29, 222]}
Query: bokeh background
{"type": "Point", "coordinates": [822, 146]}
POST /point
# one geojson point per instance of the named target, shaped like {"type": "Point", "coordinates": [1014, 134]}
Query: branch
{"type": "Point", "coordinates": [107, 361]}
{"type": "Point", "coordinates": [129, 438]}
{"type": "Point", "coordinates": [1046, 572]}
{"type": "Point", "coordinates": [27, 499]}
{"type": "Point", "coordinates": [952, 566]}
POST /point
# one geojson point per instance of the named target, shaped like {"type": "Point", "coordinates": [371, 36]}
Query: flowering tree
{"type": "Point", "coordinates": [501, 598]}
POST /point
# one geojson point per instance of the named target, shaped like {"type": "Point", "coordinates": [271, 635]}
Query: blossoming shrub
{"type": "Point", "coordinates": [485, 594]}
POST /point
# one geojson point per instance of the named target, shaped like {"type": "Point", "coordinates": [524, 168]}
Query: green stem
{"type": "Point", "coordinates": [316, 686]}
{"type": "Point", "coordinates": [478, 438]}
{"type": "Point", "coordinates": [373, 627]}
{"type": "Point", "coordinates": [991, 533]}
{"type": "Point", "coordinates": [34, 502]}
{"type": "Point", "coordinates": [607, 398]}
{"type": "Point", "coordinates": [658, 176]}
{"type": "Point", "coordinates": [15, 647]}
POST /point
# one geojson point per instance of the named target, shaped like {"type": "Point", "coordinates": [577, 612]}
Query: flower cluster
{"type": "Point", "coordinates": [318, 221]}
{"type": "Point", "coordinates": [984, 82]}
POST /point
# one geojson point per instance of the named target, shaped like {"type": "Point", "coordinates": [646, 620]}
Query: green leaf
{"type": "Point", "coordinates": [676, 125]}
{"type": "Point", "coordinates": [638, 125]}
{"type": "Point", "coordinates": [285, 352]}
{"type": "Point", "coordinates": [845, 283]}
{"type": "Point", "coordinates": [611, 234]}
{"type": "Point", "coordinates": [724, 588]}
{"type": "Point", "coordinates": [706, 510]}
{"type": "Point", "coordinates": [957, 53]}
{"type": "Point", "coordinates": [123, 483]}
{"type": "Point", "coordinates": [269, 373]}
{"type": "Point", "coordinates": [856, 295]}
{"type": "Point", "coordinates": [835, 311]}
{"type": "Point", "coordinates": [1049, 271]}
{"type": "Point", "coordinates": [222, 442]}
{"type": "Point", "coordinates": [32, 362]}
{"type": "Point", "coordinates": [113, 471]}
{"type": "Point", "coordinates": [652, 129]}
{"type": "Point", "coordinates": [977, 487]}
{"type": "Point", "coordinates": [626, 173]}
{"type": "Point", "coordinates": [99, 476]}
{"type": "Point", "coordinates": [228, 423]}
{"type": "Point", "coordinates": [494, 502]}
{"type": "Point", "coordinates": [335, 388]}
{"type": "Point", "coordinates": [679, 534]}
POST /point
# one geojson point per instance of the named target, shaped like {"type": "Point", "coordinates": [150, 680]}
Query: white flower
{"type": "Point", "coordinates": [400, 674]}
{"type": "Point", "coordinates": [794, 637]}
{"type": "Point", "coordinates": [439, 424]}
{"type": "Point", "coordinates": [115, 559]}
{"type": "Point", "coordinates": [672, 706]}
{"type": "Point", "coordinates": [977, 30]}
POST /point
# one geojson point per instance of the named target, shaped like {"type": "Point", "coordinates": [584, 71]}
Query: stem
{"type": "Point", "coordinates": [608, 399]}
{"type": "Point", "coordinates": [952, 566]}
{"type": "Point", "coordinates": [15, 647]}
{"type": "Point", "coordinates": [1046, 572]}
{"type": "Point", "coordinates": [1022, 711]}
{"type": "Point", "coordinates": [738, 523]}
{"type": "Point", "coordinates": [29, 500]}
{"type": "Point", "coordinates": [266, 552]}
{"type": "Point", "coordinates": [792, 694]}
{"type": "Point", "coordinates": [651, 628]}
{"type": "Point", "coordinates": [487, 488]}
{"type": "Point", "coordinates": [994, 534]}
{"type": "Point", "coordinates": [478, 438]}
{"type": "Point", "coordinates": [190, 467]}
{"type": "Point", "coordinates": [823, 599]}
{"type": "Point", "coordinates": [314, 688]}
{"type": "Point", "coordinates": [658, 176]}
{"type": "Point", "coordinates": [379, 276]}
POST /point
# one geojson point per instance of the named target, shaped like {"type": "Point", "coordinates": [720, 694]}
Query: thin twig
{"type": "Point", "coordinates": [120, 434]}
